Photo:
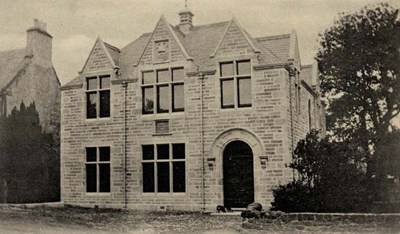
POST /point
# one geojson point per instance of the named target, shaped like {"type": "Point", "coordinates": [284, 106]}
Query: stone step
{"type": "Point", "coordinates": [233, 213]}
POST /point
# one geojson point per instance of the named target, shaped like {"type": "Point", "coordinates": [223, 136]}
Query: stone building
{"type": "Point", "coordinates": [185, 118]}
{"type": "Point", "coordinates": [27, 75]}
{"type": "Point", "coordinates": [29, 137]}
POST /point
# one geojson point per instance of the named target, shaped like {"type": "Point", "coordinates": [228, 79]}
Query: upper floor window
{"type": "Point", "coordinates": [163, 91]}
{"type": "Point", "coordinates": [98, 97]}
{"type": "Point", "coordinates": [98, 169]}
{"type": "Point", "coordinates": [235, 78]}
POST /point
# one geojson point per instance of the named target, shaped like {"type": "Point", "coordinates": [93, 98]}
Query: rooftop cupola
{"type": "Point", "coordinates": [185, 20]}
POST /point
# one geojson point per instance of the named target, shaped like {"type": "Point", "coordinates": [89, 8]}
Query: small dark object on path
{"type": "Point", "coordinates": [253, 211]}
{"type": "Point", "coordinates": [223, 209]}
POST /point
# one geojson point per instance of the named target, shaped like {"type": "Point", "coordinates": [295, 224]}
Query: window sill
{"type": "Point", "coordinates": [163, 116]}
{"type": "Point", "coordinates": [247, 108]}
{"type": "Point", "coordinates": [162, 134]}
{"type": "Point", "coordinates": [97, 120]}
{"type": "Point", "coordinates": [98, 194]}
{"type": "Point", "coordinates": [164, 194]}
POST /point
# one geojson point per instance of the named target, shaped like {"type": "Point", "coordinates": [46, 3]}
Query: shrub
{"type": "Point", "coordinates": [330, 178]}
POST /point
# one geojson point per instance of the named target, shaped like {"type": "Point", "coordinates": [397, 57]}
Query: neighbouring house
{"type": "Point", "coordinates": [186, 118]}
{"type": "Point", "coordinates": [27, 76]}
{"type": "Point", "coordinates": [29, 121]}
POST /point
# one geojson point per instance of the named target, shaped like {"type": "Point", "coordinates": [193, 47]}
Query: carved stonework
{"type": "Point", "coordinates": [161, 51]}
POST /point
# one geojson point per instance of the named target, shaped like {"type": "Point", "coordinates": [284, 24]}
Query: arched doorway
{"type": "Point", "coordinates": [238, 174]}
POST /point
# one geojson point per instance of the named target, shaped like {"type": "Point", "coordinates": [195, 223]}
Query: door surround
{"type": "Point", "coordinates": [217, 150]}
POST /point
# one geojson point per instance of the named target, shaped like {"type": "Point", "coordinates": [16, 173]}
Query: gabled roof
{"type": "Point", "coordinates": [11, 62]}
{"type": "Point", "coordinates": [198, 44]}
{"type": "Point", "coordinates": [111, 52]}
{"type": "Point", "coordinates": [172, 33]}
{"type": "Point", "coordinates": [245, 35]}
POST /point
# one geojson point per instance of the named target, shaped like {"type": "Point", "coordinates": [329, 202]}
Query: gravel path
{"type": "Point", "coordinates": [105, 221]}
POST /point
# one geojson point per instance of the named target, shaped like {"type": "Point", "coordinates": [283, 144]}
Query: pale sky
{"type": "Point", "coordinates": [75, 24]}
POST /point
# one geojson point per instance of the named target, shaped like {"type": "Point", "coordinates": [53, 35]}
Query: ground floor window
{"type": "Point", "coordinates": [98, 169]}
{"type": "Point", "coordinates": [163, 167]}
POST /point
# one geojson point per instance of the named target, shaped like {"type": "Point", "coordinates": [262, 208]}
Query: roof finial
{"type": "Point", "coordinates": [185, 3]}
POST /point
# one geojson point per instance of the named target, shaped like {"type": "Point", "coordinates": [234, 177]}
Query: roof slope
{"type": "Point", "coordinates": [131, 53]}
{"type": "Point", "coordinates": [10, 63]}
{"type": "Point", "coordinates": [278, 44]}
{"type": "Point", "coordinates": [306, 74]}
{"type": "Point", "coordinates": [77, 81]}
{"type": "Point", "coordinates": [202, 41]}
{"type": "Point", "coordinates": [199, 43]}
{"type": "Point", "coordinates": [266, 54]}
{"type": "Point", "coordinates": [114, 52]}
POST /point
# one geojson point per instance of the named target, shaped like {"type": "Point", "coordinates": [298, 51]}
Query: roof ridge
{"type": "Point", "coordinates": [111, 47]}
{"type": "Point", "coordinates": [261, 45]}
{"type": "Point", "coordinates": [148, 34]}
{"type": "Point", "coordinates": [273, 37]}
{"type": "Point", "coordinates": [208, 25]}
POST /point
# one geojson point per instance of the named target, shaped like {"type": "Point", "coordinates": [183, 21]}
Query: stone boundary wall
{"type": "Point", "coordinates": [328, 217]}
{"type": "Point", "coordinates": [326, 222]}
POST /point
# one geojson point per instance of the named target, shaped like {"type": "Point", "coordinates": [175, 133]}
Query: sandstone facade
{"type": "Point", "coordinates": [274, 108]}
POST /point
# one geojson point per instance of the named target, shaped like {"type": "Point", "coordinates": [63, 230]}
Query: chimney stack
{"type": "Point", "coordinates": [39, 44]}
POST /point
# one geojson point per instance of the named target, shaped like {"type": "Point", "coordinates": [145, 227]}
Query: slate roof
{"type": "Point", "coordinates": [267, 55]}
{"type": "Point", "coordinates": [200, 43]}
{"type": "Point", "coordinates": [114, 52]}
{"type": "Point", "coordinates": [77, 81]}
{"type": "Point", "coordinates": [278, 44]}
{"type": "Point", "coordinates": [11, 62]}
{"type": "Point", "coordinates": [130, 54]}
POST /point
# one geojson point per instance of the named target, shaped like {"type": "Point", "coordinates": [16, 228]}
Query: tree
{"type": "Point", "coordinates": [329, 178]}
{"type": "Point", "coordinates": [359, 61]}
{"type": "Point", "coordinates": [29, 159]}
{"type": "Point", "coordinates": [385, 168]}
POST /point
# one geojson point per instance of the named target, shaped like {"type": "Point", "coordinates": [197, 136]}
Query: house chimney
{"type": "Point", "coordinates": [185, 21]}
{"type": "Point", "coordinates": [39, 44]}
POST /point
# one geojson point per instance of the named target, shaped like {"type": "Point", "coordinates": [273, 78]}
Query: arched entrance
{"type": "Point", "coordinates": [238, 174]}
